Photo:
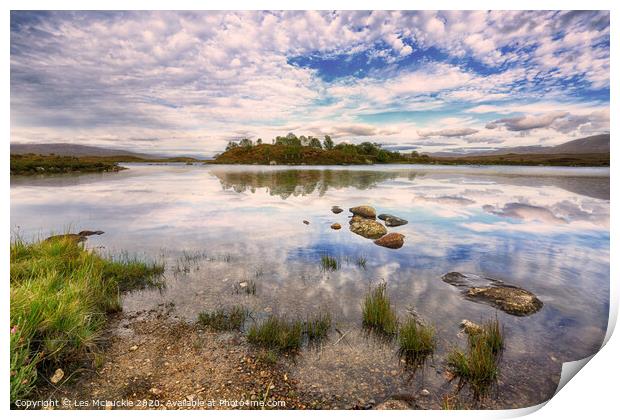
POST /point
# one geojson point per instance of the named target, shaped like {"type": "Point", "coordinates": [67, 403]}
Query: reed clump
{"type": "Point", "coordinates": [377, 312]}
{"type": "Point", "coordinates": [479, 365]}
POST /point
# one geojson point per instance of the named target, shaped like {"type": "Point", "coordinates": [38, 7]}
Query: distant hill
{"type": "Point", "coordinates": [68, 149]}
{"type": "Point", "coordinates": [586, 145]}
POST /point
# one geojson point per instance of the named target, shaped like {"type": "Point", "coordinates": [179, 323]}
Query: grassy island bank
{"type": "Point", "coordinates": [293, 150]}
{"type": "Point", "coordinates": [33, 164]}
{"type": "Point", "coordinates": [60, 296]}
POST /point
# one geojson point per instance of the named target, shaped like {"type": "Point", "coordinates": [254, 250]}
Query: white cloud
{"type": "Point", "coordinates": [448, 132]}
{"type": "Point", "coordinates": [191, 80]}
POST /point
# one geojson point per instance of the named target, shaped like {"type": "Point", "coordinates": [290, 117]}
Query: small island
{"type": "Point", "coordinates": [45, 164]}
{"type": "Point", "coordinates": [309, 150]}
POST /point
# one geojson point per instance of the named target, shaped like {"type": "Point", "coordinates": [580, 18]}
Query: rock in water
{"type": "Point", "coordinates": [306, 222]}
{"type": "Point", "coordinates": [336, 226]}
{"type": "Point", "coordinates": [470, 328]}
{"type": "Point", "coordinates": [391, 240]}
{"type": "Point", "coordinates": [91, 232]}
{"type": "Point", "coordinates": [367, 228]}
{"type": "Point", "coordinates": [364, 211]}
{"type": "Point", "coordinates": [392, 221]}
{"type": "Point", "coordinates": [510, 299]}
{"type": "Point", "coordinates": [75, 237]}
{"type": "Point", "coordinates": [336, 210]}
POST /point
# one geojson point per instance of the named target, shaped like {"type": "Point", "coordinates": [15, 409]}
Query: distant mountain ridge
{"type": "Point", "coordinates": [592, 144]}
{"type": "Point", "coordinates": [587, 145]}
{"type": "Point", "coordinates": [69, 149]}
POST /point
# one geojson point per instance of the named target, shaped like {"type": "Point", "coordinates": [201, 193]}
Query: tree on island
{"type": "Point", "coordinates": [315, 143]}
{"type": "Point", "coordinates": [328, 143]}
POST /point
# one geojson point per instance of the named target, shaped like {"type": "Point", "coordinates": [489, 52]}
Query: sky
{"type": "Point", "coordinates": [188, 82]}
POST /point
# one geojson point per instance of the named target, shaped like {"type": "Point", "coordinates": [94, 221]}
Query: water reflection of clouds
{"type": "Point", "coordinates": [536, 232]}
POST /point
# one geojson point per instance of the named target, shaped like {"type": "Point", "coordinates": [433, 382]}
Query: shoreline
{"type": "Point", "coordinates": [155, 360]}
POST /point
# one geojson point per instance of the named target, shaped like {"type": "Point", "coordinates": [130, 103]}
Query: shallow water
{"type": "Point", "coordinates": [543, 229]}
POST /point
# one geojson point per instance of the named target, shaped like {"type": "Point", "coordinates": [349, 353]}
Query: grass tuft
{"type": "Point", "coordinates": [479, 366]}
{"type": "Point", "coordinates": [277, 333]}
{"type": "Point", "coordinates": [329, 263]}
{"type": "Point", "coordinates": [361, 262]}
{"type": "Point", "coordinates": [60, 294]}
{"type": "Point", "coordinates": [317, 327]}
{"type": "Point", "coordinates": [249, 288]}
{"type": "Point", "coordinates": [377, 312]}
{"type": "Point", "coordinates": [416, 341]}
{"type": "Point", "coordinates": [224, 319]}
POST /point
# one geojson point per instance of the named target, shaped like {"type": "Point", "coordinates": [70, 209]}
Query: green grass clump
{"type": "Point", "coordinates": [416, 341]}
{"type": "Point", "coordinates": [277, 333]}
{"type": "Point", "coordinates": [224, 319]}
{"type": "Point", "coordinates": [131, 274]}
{"type": "Point", "coordinates": [361, 262]}
{"type": "Point", "coordinates": [377, 312]}
{"type": "Point", "coordinates": [329, 263]}
{"type": "Point", "coordinates": [60, 294]}
{"type": "Point", "coordinates": [479, 366]}
{"type": "Point", "coordinates": [317, 327]}
{"type": "Point", "coordinates": [493, 336]}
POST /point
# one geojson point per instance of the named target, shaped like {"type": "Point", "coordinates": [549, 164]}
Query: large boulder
{"type": "Point", "coordinates": [367, 228]}
{"type": "Point", "coordinates": [364, 211]}
{"type": "Point", "coordinates": [392, 221]}
{"type": "Point", "coordinates": [510, 299]}
{"type": "Point", "coordinates": [391, 240]}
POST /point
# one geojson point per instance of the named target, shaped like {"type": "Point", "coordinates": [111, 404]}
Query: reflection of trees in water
{"type": "Point", "coordinates": [285, 183]}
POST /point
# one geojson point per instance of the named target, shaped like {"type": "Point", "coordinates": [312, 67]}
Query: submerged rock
{"type": "Point", "coordinates": [391, 240]}
{"type": "Point", "coordinates": [336, 210]}
{"type": "Point", "coordinates": [510, 299]}
{"type": "Point", "coordinates": [336, 226]}
{"type": "Point", "coordinates": [367, 228]}
{"type": "Point", "coordinates": [392, 221]}
{"type": "Point", "coordinates": [77, 237]}
{"type": "Point", "coordinates": [364, 211]}
{"type": "Point", "coordinates": [306, 222]}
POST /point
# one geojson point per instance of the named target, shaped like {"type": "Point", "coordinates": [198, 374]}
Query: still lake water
{"type": "Point", "coordinates": [543, 229]}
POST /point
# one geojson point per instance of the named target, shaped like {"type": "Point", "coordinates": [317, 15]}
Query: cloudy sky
{"type": "Point", "coordinates": [188, 82]}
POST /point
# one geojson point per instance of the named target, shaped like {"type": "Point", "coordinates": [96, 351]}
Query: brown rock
{"type": "Point", "coordinates": [364, 211]}
{"type": "Point", "coordinates": [470, 328]}
{"type": "Point", "coordinates": [306, 222]}
{"type": "Point", "coordinates": [336, 210]}
{"type": "Point", "coordinates": [510, 299]}
{"type": "Point", "coordinates": [367, 228]}
{"type": "Point", "coordinates": [391, 240]}
{"type": "Point", "coordinates": [336, 226]}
